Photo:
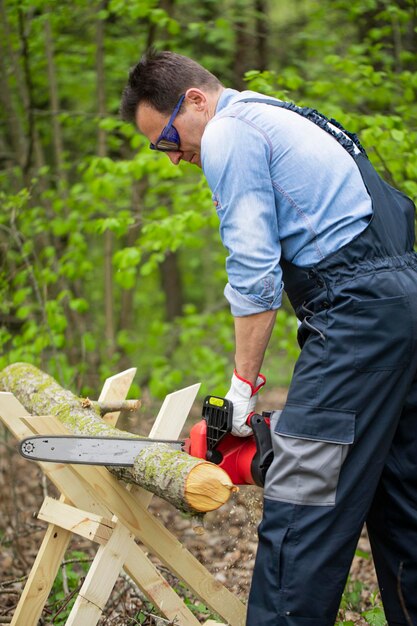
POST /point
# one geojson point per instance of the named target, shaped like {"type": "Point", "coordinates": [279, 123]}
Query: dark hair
{"type": "Point", "coordinates": [159, 79]}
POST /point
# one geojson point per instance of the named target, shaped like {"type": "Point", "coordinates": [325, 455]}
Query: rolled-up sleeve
{"type": "Point", "coordinates": [235, 157]}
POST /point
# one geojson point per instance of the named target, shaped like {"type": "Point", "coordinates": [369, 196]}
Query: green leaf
{"type": "Point", "coordinates": [23, 312]}
{"type": "Point", "coordinates": [80, 305]}
{"type": "Point", "coordinates": [375, 617]}
{"type": "Point", "coordinates": [20, 295]}
{"type": "Point", "coordinates": [362, 554]}
{"type": "Point", "coordinates": [127, 258]}
{"type": "Point", "coordinates": [398, 135]}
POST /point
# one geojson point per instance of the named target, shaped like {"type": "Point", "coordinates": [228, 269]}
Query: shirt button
{"type": "Point", "coordinates": [311, 274]}
{"type": "Point", "coordinates": [325, 304]}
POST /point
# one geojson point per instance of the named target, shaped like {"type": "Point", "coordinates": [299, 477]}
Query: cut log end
{"type": "Point", "coordinates": [208, 487]}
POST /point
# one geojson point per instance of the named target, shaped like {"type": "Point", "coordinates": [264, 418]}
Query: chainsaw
{"type": "Point", "coordinates": [245, 459]}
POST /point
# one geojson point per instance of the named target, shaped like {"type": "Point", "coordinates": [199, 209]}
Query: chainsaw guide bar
{"type": "Point", "coordinates": [111, 451]}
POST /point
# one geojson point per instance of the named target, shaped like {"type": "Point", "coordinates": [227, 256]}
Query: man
{"type": "Point", "coordinates": [301, 206]}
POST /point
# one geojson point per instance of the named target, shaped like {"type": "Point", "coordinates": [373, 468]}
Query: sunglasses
{"type": "Point", "coordinates": [169, 139]}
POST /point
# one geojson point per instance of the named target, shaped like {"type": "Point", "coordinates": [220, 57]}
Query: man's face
{"type": "Point", "coordinates": [189, 123]}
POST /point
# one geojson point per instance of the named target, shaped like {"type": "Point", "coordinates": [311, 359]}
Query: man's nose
{"type": "Point", "coordinates": [174, 157]}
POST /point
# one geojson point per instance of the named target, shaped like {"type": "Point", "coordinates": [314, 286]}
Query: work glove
{"type": "Point", "coordinates": [243, 396]}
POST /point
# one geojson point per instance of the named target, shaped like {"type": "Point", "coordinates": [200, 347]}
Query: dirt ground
{"type": "Point", "coordinates": [227, 548]}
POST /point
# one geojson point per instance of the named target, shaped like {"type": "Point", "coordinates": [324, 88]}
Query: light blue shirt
{"type": "Point", "coordinates": [282, 186]}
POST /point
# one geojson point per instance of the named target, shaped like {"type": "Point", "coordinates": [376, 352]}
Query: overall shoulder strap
{"type": "Point", "coordinates": [317, 118]}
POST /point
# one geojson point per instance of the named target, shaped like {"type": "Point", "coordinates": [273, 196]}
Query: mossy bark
{"type": "Point", "coordinates": [165, 472]}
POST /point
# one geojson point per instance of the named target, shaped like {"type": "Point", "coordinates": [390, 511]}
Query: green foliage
{"type": "Point", "coordinates": [79, 227]}
{"type": "Point", "coordinates": [352, 596]}
{"type": "Point", "coordinates": [375, 616]}
{"type": "Point", "coordinates": [353, 600]}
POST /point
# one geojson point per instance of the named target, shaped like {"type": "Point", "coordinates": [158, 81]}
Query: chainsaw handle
{"type": "Point", "coordinates": [218, 415]}
{"type": "Point", "coordinates": [262, 459]}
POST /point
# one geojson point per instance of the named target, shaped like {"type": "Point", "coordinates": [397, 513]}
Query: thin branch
{"type": "Point", "coordinates": [29, 84]}
{"type": "Point", "coordinates": [54, 100]}
{"type": "Point", "coordinates": [111, 407]}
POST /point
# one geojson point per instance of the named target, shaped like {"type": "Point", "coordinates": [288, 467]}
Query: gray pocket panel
{"type": "Point", "coordinates": [310, 445]}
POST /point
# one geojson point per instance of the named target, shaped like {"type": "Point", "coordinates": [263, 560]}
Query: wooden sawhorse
{"type": "Point", "coordinates": [94, 504]}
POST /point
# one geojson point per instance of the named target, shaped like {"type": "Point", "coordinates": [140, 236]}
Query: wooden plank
{"type": "Point", "coordinates": [101, 578]}
{"type": "Point", "coordinates": [55, 541]}
{"type": "Point", "coordinates": [116, 388]}
{"type": "Point", "coordinates": [88, 525]}
{"type": "Point", "coordinates": [41, 577]}
{"type": "Point", "coordinates": [143, 572]}
{"type": "Point", "coordinates": [10, 413]}
{"type": "Point", "coordinates": [173, 413]}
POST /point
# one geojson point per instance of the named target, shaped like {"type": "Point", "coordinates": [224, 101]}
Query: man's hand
{"type": "Point", "coordinates": [243, 396]}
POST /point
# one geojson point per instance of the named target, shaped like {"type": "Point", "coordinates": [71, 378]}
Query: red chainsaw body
{"type": "Point", "coordinates": [235, 454]}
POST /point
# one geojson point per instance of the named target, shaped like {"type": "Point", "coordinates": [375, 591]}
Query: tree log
{"type": "Point", "coordinates": [191, 485]}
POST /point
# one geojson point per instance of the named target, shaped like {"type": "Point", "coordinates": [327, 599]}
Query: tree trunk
{"type": "Point", "coordinates": [14, 131]}
{"type": "Point", "coordinates": [127, 295]}
{"type": "Point", "coordinates": [23, 28]}
{"type": "Point", "coordinates": [14, 66]}
{"type": "Point", "coordinates": [242, 50]}
{"type": "Point", "coordinates": [58, 143]}
{"type": "Point", "coordinates": [191, 485]}
{"type": "Point", "coordinates": [172, 286]}
{"type": "Point", "coordinates": [102, 152]}
{"type": "Point", "coordinates": [261, 25]}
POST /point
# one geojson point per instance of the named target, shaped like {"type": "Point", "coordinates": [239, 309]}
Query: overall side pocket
{"type": "Point", "coordinates": [382, 334]}
{"type": "Point", "coordinates": [310, 445]}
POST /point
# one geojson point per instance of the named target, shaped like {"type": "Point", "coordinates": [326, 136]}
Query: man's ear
{"type": "Point", "coordinates": [196, 97]}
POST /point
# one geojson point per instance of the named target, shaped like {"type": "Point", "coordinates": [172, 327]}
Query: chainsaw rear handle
{"type": "Point", "coordinates": [262, 459]}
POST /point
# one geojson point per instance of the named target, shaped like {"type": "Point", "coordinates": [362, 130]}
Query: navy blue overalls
{"type": "Point", "coordinates": [345, 445]}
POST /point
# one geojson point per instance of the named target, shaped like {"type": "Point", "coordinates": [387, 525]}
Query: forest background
{"type": "Point", "coordinates": [110, 256]}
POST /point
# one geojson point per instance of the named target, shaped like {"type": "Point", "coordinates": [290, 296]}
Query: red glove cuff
{"type": "Point", "coordinates": [260, 380]}
{"type": "Point", "coordinates": [249, 417]}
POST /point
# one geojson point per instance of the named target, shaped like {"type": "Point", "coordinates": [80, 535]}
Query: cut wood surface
{"type": "Point", "coordinates": [191, 485]}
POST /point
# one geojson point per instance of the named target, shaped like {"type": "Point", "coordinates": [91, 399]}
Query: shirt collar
{"type": "Point", "coordinates": [226, 98]}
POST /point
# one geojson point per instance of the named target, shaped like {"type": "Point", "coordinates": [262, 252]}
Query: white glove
{"type": "Point", "coordinates": [243, 396]}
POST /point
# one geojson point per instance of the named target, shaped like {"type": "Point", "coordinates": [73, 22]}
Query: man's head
{"type": "Point", "coordinates": [152, 99]}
